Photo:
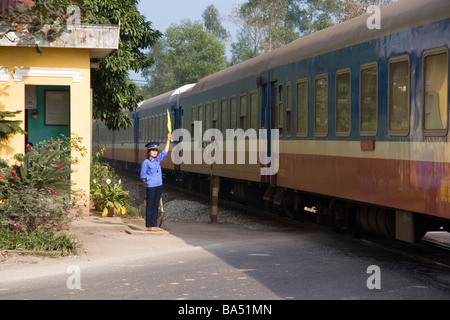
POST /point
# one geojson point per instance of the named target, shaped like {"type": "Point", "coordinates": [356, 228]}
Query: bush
{"type": "Point", "coordinates": [107, 190]}
{"type": "Point", "coordinates": [36, 192]}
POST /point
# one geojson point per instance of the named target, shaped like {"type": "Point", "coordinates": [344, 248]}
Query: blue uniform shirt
{"type": "Point", "coordinates": [151, 170]}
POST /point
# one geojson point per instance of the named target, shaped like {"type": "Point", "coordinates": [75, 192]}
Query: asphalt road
{"type": "Point", "coordinates": [229, 263]}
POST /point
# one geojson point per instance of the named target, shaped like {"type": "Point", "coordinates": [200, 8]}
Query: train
{"type": "Point", "coordinates": [353, 119]}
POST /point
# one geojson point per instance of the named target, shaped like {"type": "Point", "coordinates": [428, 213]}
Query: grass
{"type": "Point", "coordinates": [40, 242]}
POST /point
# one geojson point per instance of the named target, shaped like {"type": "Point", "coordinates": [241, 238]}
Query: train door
{"type": "Point", "coordinates": [268, 116]}
{"type": "Point", "coordinates": [272, 119]}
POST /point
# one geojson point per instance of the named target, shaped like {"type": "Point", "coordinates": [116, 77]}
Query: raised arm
{"type": "Point", "coordinates": [167, 148]}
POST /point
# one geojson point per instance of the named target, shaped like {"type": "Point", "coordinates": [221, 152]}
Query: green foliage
{"type": "Point", "coordinates": [113, 90]}
{"type": "Point", "coordinates": [107, 190]}
{"type": "Point", "coordinates": [9, 127]}
{"type": "Point", "coordinates": [213, 24]}
{"type": "Point", "coordinates": [48, 166]}
{"type": "Point", "coordinates": [187, 54]}
{"type": "Point", "coordinates": [39, 241]}
{"type": "Point", "coordinates": [36, 193]}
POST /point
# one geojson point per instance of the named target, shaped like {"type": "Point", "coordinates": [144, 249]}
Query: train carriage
{"type": "Point", "coordinates": [361, 115]}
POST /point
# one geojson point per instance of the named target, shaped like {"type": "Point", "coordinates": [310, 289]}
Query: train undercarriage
{"type": "Point", "coordinates": [337, 214]}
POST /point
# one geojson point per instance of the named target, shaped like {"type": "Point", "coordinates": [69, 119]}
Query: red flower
{"type": "Point", "coordinates": [13, 171]}
{"type": "Point", "coordinates": [15, 224]}
{"type": "Point", "coordinates": [47, 190]}
{"type": "Point", "coordinates": [55, 192]}
{"type": "Point", "coordinates": [15, 178]}
{"type": "Point", "coordinates": [1, 177]}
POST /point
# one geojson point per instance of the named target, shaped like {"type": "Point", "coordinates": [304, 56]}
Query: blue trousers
{"type": "Point", "coordinates": [153, 200]}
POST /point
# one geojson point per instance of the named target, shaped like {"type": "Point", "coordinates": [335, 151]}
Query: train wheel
{"type": "Point", "coordinates": [290, 212]}
{"type": "Point", "coordinates": [377, 221]}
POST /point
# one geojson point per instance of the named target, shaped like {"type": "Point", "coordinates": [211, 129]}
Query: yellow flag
{"type": "Point", "coordinates": [169, 123]}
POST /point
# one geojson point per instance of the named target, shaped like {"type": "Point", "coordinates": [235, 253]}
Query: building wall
{"type": "Point", "coordinates": [55, 67]}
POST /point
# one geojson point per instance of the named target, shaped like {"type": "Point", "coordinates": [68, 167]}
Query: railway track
{"type": "Point", "coordinates": [428, 250]}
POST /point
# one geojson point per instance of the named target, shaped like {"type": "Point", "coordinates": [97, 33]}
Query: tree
{"type": "Point", "coordinates": [316, 15]}
{"type": "Point", "coordinates": [9, 127]}
{"type": "Point", "coordinates": [244, 49]}
{"type": "Point", "coordinates": [160, 76]}
{"type": "Point", "coordinates": [113, 91]}
{"type": "Point", "coordinates": [185, 55]}
{"type": "Point", "coordinates": [353, 8]}
{"type": "Point", "coordinates": [264, 26]}
{"type": "Point", "coordinates": [211, 20]}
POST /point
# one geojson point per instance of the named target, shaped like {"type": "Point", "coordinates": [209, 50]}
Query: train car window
{"type": "Point", "coordinates": [147, 129]}
{"type": "Point", "coordinates": [302, 108]}
{"type": "Point", "coordinates": [289, 110]}
{"type": "Point", "coordinates": [155, 137]}
{"type": "Point", "coordinates": [369, 100]}
{"type": "Point", "coordinates": [201, 117]}
{"type": "Point", "coordinates": [161, 128]}
{"type": "Point", "coordinates": [224, 116]}
{"type": "Point", "coordinates": [207, 116]}
{"type": "Point", "coordinates": [141, 130]}
{"type": "Point", "coordinates": [243, 112]}
{"type": "Point", "coordinates": [321, 105]}
{"type": "Point", "coordinates": [181, 118]}
{"type": "Point", "coordinates": [164, 126]}
{"type": "Point", "coordinates": [233, 113]}
{"type": "Point", "coordinates": [194, 118]}
{"type": "Point", "coordinates": [343, 103]}
{"type": "Point", "coordinates": [254, 110]}
{"type": "Point", "coordinates": [153, 128]}
{"type": "Point", "coordinates": [436, 92]}
{"type": "Point", "coordinates": [280, 109]}
{"type": "Point", "coordinates": [399, 88]}
{"type": "Point", "coordinates": [215, 114]}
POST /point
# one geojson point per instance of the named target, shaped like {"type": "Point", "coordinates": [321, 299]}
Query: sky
{"type": "Point", "coordinates": [164, 13]}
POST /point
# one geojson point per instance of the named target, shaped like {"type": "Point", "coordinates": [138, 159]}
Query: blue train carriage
{"type": "Point", "coordinates": [370, 118]}
{"type": "Point", "coordinates": [362, 115]}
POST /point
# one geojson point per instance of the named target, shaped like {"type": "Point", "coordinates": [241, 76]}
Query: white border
{"type": "Point", "coordinates": [20, 73]}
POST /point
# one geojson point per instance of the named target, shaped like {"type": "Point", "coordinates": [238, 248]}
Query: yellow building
{"type": "Point", "coordinates": [53, 89]}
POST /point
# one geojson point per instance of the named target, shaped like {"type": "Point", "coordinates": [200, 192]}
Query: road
{"type": "Point", "coordinates": [229, 263]}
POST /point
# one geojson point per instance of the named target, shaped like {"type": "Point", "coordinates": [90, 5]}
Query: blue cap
{"type": "Point", "coordinates": [152, 145]}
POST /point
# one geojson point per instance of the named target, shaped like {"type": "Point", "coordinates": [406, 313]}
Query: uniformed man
{"type": "Point", "coordinates": [151, 175]}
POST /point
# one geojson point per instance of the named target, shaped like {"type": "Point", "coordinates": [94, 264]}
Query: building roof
{"type": "Point", "coordinates": [101, 40]}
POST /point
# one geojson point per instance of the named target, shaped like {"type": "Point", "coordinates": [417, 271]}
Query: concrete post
{"type": "Point", "coordinates": [214, 198]}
